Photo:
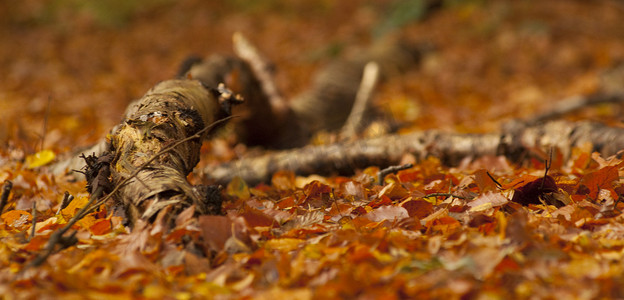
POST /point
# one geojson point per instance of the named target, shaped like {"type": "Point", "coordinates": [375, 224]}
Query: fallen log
{"type": "Point", "coordinates": [515, 142]}
{"type": "Point", "coordinates": [158, 145]}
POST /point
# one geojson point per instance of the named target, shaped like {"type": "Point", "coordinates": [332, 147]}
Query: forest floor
{"type": "Point", "coordinates": [69, 69]}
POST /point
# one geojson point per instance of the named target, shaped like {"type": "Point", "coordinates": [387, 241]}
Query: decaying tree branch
{"type": "Point", "coordinates": [451, 148]}
{"type": "Point", "coordinates": [172, 111]}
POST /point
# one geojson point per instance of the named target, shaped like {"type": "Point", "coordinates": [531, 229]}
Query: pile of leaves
{"type": "Point", "coordinates": [427, 231]}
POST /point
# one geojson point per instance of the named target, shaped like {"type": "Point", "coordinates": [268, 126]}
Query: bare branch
{"type": "Point", "coordinates": [355, 121]}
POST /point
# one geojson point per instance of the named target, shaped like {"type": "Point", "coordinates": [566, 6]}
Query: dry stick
{"type": "Point", "coordinates": [355, 121]}
{"type": "Point", "coordinates": [6, 190]}
{"type": "Point", "coordinates": [262, 70]}
{"type": "Point", "coordinates": [381, 175]}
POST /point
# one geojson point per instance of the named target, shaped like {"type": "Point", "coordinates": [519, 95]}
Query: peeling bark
{"type": "Point", "coordinates": [172, 111]}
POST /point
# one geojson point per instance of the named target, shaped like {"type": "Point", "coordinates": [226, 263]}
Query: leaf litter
{"type": "Point", "coordinates": [338, 237]}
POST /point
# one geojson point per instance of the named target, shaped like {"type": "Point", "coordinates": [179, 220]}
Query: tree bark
{"type": "Point", "coordinates": [151, 177]}
{"type": "Point", "coordinates": [515, 142]}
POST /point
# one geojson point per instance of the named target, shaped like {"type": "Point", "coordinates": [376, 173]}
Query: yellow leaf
{"type": "Point", "coordinates": [74, 206]}
{"type": "Point", "coordinates": [39, 159]}
{"type": "Point", "coordinates": [238, 188]}
{"type": "Point", "coordinates": [285, 244]}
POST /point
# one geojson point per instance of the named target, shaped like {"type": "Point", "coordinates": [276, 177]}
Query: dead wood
{"type": "Point", "coordinates": [343, 158]}
{"type": "Point", "coordinates": [150, 180]}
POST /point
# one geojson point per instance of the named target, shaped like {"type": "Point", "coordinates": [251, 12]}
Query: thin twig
{"type": "Point", "coordinates": [57, 236]}
{"type": "Point", "coordinates": [6, 190]}
{"type": "Point", "coordinates": [546, 168]}
{"type": "Point", "coordinates": [498, 185]}
{"type": "Point", "coordinates": [34, 220]}
{"type": "Point", "coordinates": [361, 106]}
{"type": "Point", "coordinates": [381, 175]}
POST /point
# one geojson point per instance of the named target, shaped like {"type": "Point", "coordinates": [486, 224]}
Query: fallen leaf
{"type": "Point", "coordinates": [39, 159]}
{"type": "Point", "coordinates": [388, 212]}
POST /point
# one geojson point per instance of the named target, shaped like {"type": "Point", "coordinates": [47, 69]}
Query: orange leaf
{"type": "Point", "coordinates": [484, 181]}
{"type": "Point", "coordinates": [284, 180]}
{"type": "Point", "coordinates": [36, 243]}
{"type": "Point", "coordinates": [16, 218]}
{"type": "Point", "coordinates": [101, 227]}
{"type": "Point", "coordinates": [74, 206]}
{"type": "Point", "coordinates": [284, 244]}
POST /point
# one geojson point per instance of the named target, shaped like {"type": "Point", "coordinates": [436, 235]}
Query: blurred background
{"type": "Point", "coordinates": [70, 67]}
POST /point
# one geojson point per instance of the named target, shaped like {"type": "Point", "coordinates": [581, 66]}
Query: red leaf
{"type": "Point", "coordinates": [418, 208]}
{"type": "Point", "coordinates": [531, 192]}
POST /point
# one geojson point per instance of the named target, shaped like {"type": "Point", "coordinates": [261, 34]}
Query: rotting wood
{"type": "Point", "coordinates": [171, 111]}
{"type": "Point", "coordinates": [451, 148]}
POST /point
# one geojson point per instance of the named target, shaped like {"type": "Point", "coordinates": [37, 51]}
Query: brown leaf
{"type": "Point", "coordinates": [215, 230]}
{"type": "Point", "coordinates": [484, 181]}
{"type": "Point", "coordinates": [601, 179]}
